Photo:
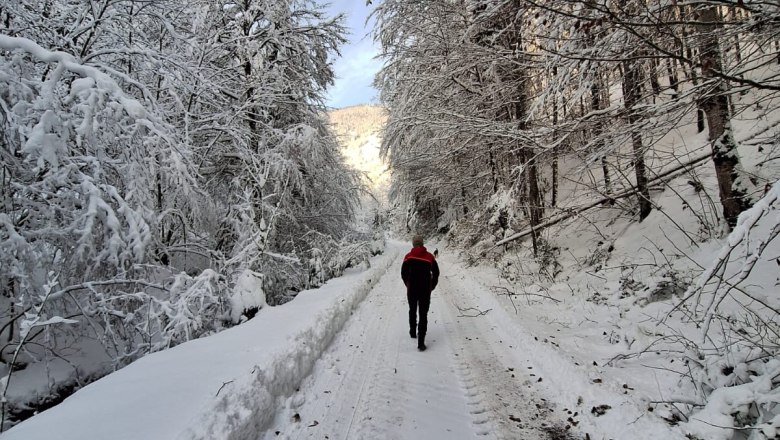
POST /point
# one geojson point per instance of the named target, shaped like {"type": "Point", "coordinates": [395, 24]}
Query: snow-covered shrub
{"type": "Point", "coordinates": [751, 405]}
{"type": "Point", "coordinates": [547, 258]}
{"type": "Point", "coordinates": [80, 188]}
{"type": "Point", "coordinates": [737, 369]}
{"type": "Point", "coordinates": [652, 283]}
{"type": "Point", "coordinates": [331, 258]}
{"type": "Point", "coordinates": [197, 306]}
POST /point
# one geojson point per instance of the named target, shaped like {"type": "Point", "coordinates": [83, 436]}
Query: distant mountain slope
{"type": "Point", "coordinates": [358, 119]}
{"type": "Point", "coordinates": [359, 130]}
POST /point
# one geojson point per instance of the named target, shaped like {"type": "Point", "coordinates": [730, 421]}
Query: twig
{"type": "Point", "coordinates": [511, 299]}
{"type": "Point", "coordinates": [479, 312]}
{"type": "Point", "coordinates": [594, 275]}
{"type": "Point", "coordinates": [510, 293]}
{"type": "Point", "coordinates": [223, 386]}
{"type": "Point", "coordinates": [739, 428]}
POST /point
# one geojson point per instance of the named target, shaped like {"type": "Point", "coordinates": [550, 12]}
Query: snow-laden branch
{"type": "Point", "coordinates": [741, 236]}
{"type": "Point", "coordinates": [134, 108]}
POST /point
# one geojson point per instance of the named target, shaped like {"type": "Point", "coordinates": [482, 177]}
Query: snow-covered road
{"type": "Point", "coordinates": [372, 382]}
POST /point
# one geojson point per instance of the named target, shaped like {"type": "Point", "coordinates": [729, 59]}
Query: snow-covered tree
{"type": "Point", "coordinates": [487, 97]}
{"type": "Point", "coordinates": [166, 168]}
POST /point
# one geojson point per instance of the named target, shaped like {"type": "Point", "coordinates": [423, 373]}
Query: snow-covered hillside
{"type": "Point", "coordinates": [359, 129]}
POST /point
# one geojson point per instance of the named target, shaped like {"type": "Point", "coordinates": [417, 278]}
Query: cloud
{"type": "Point", "coordinates": [355, 72]}
{"type": "Point", "coordinates": [356, 67]}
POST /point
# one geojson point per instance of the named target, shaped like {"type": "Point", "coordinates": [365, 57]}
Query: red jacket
{"type": "Point", "coordinates": [420, 271]}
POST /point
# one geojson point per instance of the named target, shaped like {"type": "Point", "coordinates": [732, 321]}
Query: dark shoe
{"type": "Point", "coordinates": [421, 346]}
{"type": "Point", "coordinates": [412, 334]}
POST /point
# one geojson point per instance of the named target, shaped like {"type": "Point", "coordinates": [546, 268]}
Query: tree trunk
{"type": "Point", "coordinates": [671, 71]}
{"type": "Point", "coordinates": [737, 45]}
{"type": "Point", "coordinates": [631, 96]}
{"type": "Point", "coordinates": [715, 104]}
{"type": "Point", "coordinates": [777, 49]}
{"type": "Point", "coordinates": [493, 172]}
{"type": "Point", "coordinates": [554, 201]}
{"type": "Point", "coordinates": [656, 86]}
{"type": "Point", "coordinates": [534, 195]}
{"type": "Point", "coordinates": [596, 104]}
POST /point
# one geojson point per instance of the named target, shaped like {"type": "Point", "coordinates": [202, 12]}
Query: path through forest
{"type": "Point", "coordinates": [374, 383]}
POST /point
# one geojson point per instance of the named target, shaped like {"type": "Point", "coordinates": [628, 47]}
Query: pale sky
{"type": "Point", "coordinates": [356, 68]}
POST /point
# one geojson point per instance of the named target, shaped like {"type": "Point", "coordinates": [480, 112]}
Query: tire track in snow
{"type": "Point", "coordinates": [502, 402]}
{"type": "Point", "coordinates": [372, 383]}
{"type": "Point", "coordinates": [335, 389]}
{"type": "Point", "coordinates": [477, 410]}
{"type": "Point", "coordinates": [375, 410]}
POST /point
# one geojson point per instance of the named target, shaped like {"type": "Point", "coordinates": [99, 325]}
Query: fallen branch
{"type": "Point", "coordinates": [223, 386]}
{"type": "Point", "coordinates": [479, 312]}
{"type": "Point", "coordinates": [510, 293]}
{"type": "Point", "coordinates": [621, 195]}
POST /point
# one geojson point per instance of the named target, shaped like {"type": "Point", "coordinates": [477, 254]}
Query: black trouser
{"type": "Point", "coordinates": [423, 300]}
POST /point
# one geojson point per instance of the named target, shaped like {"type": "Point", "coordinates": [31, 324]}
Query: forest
{"type": "Point", "coordinates": [167, 170]}
{"type": "Point", "coordinates": [597, 148]}
{"type": "Point", "coordinates": [502, 90]}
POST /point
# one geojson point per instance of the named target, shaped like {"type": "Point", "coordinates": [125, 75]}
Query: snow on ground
{"type": "Point", "coordinates": [568, 364]}
{"type": "Point", "coordinates": [484, 375]}
{"type": "Point", "coordinates": [223, 386]}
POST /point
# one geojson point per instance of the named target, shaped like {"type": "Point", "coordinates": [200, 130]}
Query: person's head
{"type": "Point", "coordinates": [417, 240]}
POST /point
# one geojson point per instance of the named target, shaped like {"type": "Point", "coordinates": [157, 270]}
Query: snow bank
{"type": "Point", "coordinates": [716, 420]}
{"type": "Point", "coordinates": [223, 386]}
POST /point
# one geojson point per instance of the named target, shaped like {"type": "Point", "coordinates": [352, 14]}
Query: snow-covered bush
{"type": "Point", "coordinates": [736, 366]}
{"type": "Point", "coordinates": [331, 258]}
{"type": "Point", "coordinates": [198, 306]}
{"type": "Point", "coordinates": [247, 297]}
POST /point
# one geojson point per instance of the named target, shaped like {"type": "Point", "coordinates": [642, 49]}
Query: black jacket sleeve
{"type": "Point", "coordinates": [405, 273]}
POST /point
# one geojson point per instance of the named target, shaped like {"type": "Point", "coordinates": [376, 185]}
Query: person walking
{"type": "Point", "coordinates": [420, 274]}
